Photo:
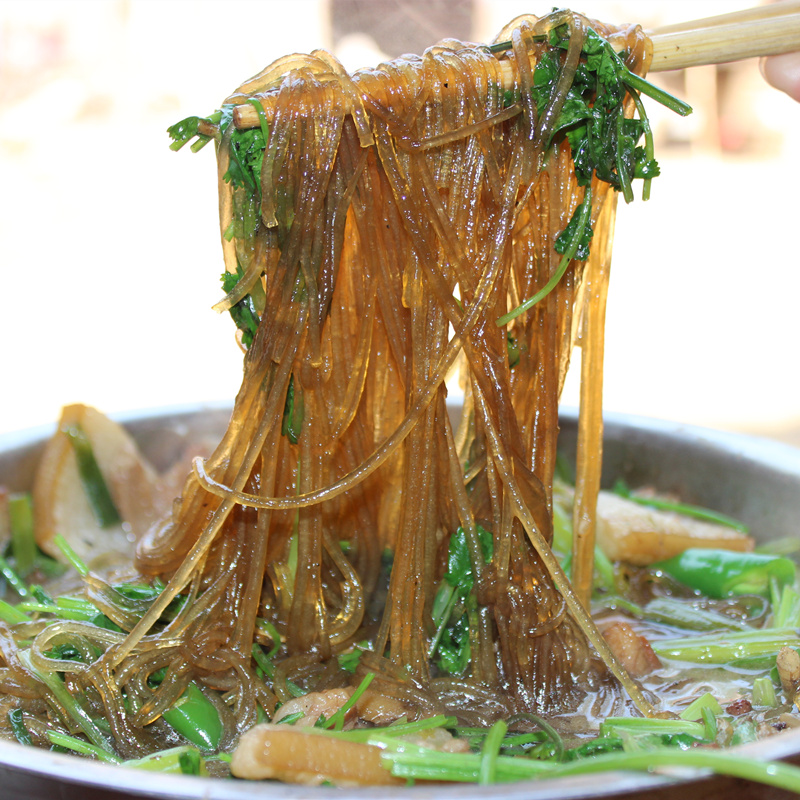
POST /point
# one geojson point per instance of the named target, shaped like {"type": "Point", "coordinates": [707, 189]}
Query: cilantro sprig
{"type": "Point", "coordinates": [244, 313]}
{"type": "Point", "coordinates": [454, 606]}
{"type": "Point", "coordinates": [247, 148]}
{"type": "Point", "coordinates": [201, 129]}
{"type": "Point", "coordinates": [603, 141]}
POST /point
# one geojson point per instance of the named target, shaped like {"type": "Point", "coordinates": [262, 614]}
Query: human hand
{"type": "Point", "coordinates": [783, 72]}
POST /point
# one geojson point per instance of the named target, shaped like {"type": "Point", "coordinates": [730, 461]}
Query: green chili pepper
{"type": "Point", "coordinates": [722, 573]}
{"type": "Point", "coordinates": [195, 717]}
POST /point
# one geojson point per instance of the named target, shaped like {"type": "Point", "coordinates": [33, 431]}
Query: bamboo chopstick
{"type": "Point", "coordinates": [732, 18]}
{"type": "Point", "coordinates": [761, 31]}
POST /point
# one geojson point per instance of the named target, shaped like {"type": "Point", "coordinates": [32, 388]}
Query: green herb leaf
{"type": "Point", "coordinates": [244, 312]}
{"type": "Point", "coordinates": [579, 228]}
{"type": "Point", "coordinates": [187, 129]}
{"type": "Point", "coordinates": [293, 413]}
{"type": "Point", "coordinates": [247, 155]}
{"type": "Point", "coordinates": [454, 607]}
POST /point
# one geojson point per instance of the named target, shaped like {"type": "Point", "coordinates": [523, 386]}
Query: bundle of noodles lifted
{"type": "Point", "coordinates": [453, 210]}
{"type": "Point", "coordinates": [388, 224]}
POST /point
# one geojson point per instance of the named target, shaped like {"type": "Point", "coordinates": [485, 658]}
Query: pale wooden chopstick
{"type": "Point", "coordinates": [761, 12]}
{"type": "Point", "coordinates": [762, 31]}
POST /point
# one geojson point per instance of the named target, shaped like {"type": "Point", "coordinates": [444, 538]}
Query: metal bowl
{"type": "Point", "coordinates": [753, 480]}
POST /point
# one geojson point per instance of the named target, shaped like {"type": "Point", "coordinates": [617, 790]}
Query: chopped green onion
{"type": "Point", "coordinates": [40, 595]}
{"type": "Point", "coordinates": [694, 710]}
{"type": "Point", "coordinates": [725, 647]}
{"type": "Point", "coordinates": [680, 614]}
{"type": "Point", "coordinates": [709, 723]}
{"type": "Point", "coordinates": [784, 546]}
{"type": "Point", "coordinates": [598, 746]}
{"type": "Point", "coordinates": [616, 726]}
{"type": "Point", "coordinates": [556, 742]}
{"type": "Point", "coordinates": [786, 607]}
{"type": "Point", "coordinates": [490, 752]}
{"type": "Point", "coordinates": [171, 760]}
{"type": "Point", "coordinates": [71, 705]}
{"type": "Point", "coordinates": [407, 760]}
{"type": "Point", "coordinates": [11, 615]}
{"type": "Point", "coordinates": [18, 728]}
{"type": "Point", "coordinates": [190, 761]}
{"type": "Point", "coordinates": [615, 602]}
{"type": "Point", "coordinates": [82, 747]}
{"type": "Point", "coordinates": [23, 541]}
{"type": "Point", "coordinates": [263, 661]}
{"type": "Point", "coordinates": [74, 559]}
{"type": "Point", "coordinates": [764, 692]}
{"type": "Point", "coordinates": [688, 510]}
{"type": "Point", "coordinates": [10, 574]}
{"type": "Point", "coordinates": [94, 484]}
{"type": "Point", "coordinates": [771, 773]}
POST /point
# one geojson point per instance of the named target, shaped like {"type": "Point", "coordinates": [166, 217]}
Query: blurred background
{"type": "Point", "coordinates": [109, 249]}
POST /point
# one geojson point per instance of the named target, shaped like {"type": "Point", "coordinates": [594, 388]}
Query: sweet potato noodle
{"type": "Point", "coordinates": [400, 213]}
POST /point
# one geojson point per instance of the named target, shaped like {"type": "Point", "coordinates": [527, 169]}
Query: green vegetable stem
{"type": "Point", "coordinates": [23, 542]}
{"type": "Point", "coordinates": [94, 484]}
{"type": "Point", "coordinates": [722, 573]}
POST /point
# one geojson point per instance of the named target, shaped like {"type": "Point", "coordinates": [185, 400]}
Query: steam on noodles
{"type": "Point", "coordinates": [379, 231]}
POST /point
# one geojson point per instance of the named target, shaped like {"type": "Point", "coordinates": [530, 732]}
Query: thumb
{"type": "Point", "coordinates": [783, 72]}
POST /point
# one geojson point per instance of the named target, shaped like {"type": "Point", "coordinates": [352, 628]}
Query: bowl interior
{"type": "Point", "coordinates": [753, 480]}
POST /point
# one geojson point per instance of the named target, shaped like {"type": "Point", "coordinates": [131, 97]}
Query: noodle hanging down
{"type": "Point", "coordinates": [376, 228]}
{"type": "Point", "coordinates": [399, 215]}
